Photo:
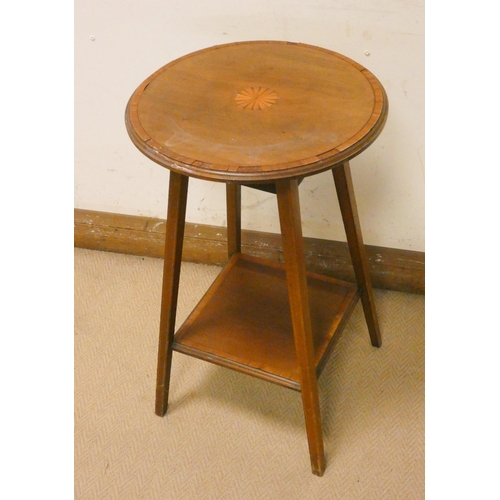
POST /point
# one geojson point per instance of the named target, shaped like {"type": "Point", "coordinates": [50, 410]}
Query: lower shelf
{"type": "Point", "coordinates": [243, 322]}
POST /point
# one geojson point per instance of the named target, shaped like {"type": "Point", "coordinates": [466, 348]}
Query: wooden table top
{"type": "Point", "coordinates": [256, 112]}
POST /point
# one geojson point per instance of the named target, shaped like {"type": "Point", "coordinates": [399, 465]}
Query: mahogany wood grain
{"type": "Point", "coordinates": [295, 264]}
{"type": "Point", "coordinates": [260, 113]}
{"type": "Point", "coordinates": [244, 322]}
{"type": "Point", "coordinates": [256, 111]}
{"type": "Point", "coordinates": [233, 201]}
{"type": "Point", "coordinates": [348, 208]}
{"type": "Point", "coordinates": [176, 215]}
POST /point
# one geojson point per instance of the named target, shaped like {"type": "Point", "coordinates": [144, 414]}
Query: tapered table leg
{"type": "Point", "coordinates": [348, 208]}
{"type": "Point", "coordinates": [176, 215]}
{"type": "Point", "coordinates": [233, 200]}
{"type": "Point", "coordinates": [293, 249]}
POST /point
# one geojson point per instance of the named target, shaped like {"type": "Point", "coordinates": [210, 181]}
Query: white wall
{"type": "Point", "coordinates": [119, 43]}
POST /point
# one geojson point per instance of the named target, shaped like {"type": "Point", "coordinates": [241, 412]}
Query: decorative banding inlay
{"type": "Point", "coordinates": [256, 98]}
{"type": "Point", "coordinates": [142, 120]}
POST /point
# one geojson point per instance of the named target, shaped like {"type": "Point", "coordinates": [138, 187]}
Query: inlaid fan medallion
{"type": "Point", "coordinates": [256, 98]}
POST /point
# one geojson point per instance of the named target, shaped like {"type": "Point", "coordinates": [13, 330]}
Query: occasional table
{"type": "Point", "coordinates": [262, 114]}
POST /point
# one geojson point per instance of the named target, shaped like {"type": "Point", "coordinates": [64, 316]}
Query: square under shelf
{"type": "Point", "coordinates": [243, 322]}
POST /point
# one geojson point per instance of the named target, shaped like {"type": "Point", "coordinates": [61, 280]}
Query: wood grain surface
{"type": "Point", "coordinates": [244, 321]}
{"type": "Point", "coordinates": [390, 268]}
{"type": "Point", "coordinates": [255, 111]}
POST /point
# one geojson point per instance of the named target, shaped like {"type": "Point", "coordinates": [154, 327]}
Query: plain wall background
{"type": "Point", "coordinates": [119, 44]}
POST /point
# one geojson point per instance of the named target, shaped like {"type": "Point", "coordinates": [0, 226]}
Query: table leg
{"type": "Point", "coordinates": [345, 193]}
{"type": "Point", "coordinates": [293, 249]}
{"type": "Point", "coordinates": [176, 215]}
{"type": "Point", "coordinates": [233, 200]}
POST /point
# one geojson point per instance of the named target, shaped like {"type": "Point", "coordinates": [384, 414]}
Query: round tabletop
{"type": "Point", "coordinates": [256, 112]}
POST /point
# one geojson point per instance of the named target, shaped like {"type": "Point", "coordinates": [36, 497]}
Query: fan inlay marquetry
{"type": "Point", "coordinates": [256, 98]}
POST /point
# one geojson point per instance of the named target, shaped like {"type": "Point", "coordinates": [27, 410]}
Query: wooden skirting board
{"type": "Point", "coordinates": [392, 269]}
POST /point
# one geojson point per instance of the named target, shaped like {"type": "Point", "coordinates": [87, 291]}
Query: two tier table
{"type": "Point", "coordinates": [261, 114]}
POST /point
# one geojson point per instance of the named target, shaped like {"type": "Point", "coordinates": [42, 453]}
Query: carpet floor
{"type": "Point", "coordinates": [227, 435]}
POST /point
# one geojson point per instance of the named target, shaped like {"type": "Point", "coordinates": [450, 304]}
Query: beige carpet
{"type": "Point", "coordinates": [227, 435]}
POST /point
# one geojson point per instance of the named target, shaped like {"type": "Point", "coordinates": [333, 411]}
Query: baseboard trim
{"type": "Point", "coordinates": [390, 268]}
